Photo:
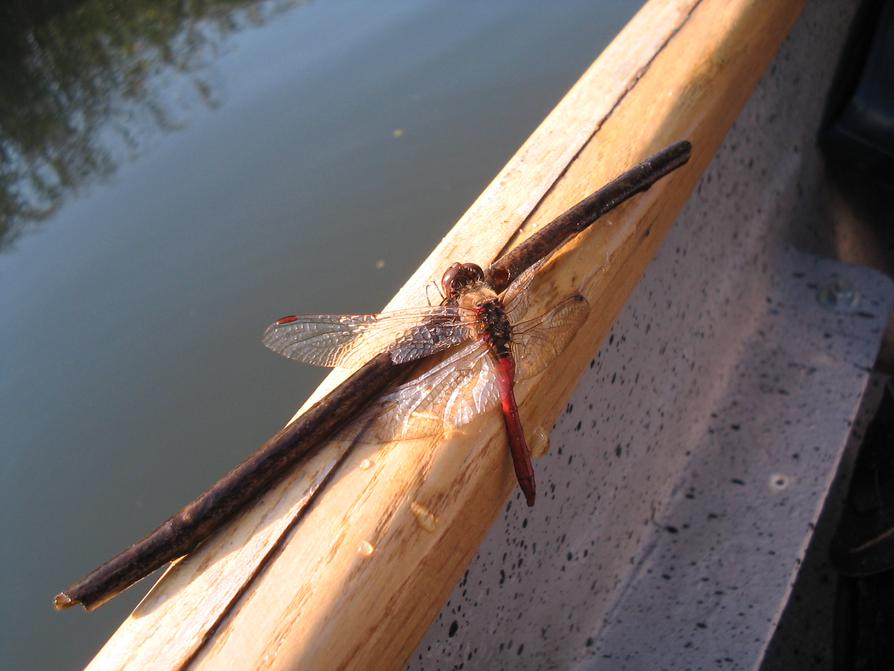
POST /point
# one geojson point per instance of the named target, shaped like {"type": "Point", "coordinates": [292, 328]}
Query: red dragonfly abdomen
{"type": "Point", "coordinates": [518, 447]}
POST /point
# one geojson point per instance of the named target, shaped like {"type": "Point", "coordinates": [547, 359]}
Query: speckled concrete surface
{"type": "Point", "coordinates": [712, 583]}
{"type": "Point", "coordinates": [672, 499]}
{"type": "Point", "coordinates": [804, 638]}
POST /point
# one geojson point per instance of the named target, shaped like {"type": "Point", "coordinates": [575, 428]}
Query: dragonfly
{"type": "Point", "coordinates": [494, 347]}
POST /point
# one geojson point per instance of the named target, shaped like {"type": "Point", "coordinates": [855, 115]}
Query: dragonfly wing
{"type": "Point", "coordinates": [451, 394]}
{"type": "Point", "coordinates": [441, 334]}
{"type": "Point", "coordinates": [320, 340]}
{"type": "Point", "coordinates": [350, 340]}
{"type": "Point", "coordinates": [537, 342]}
{"type": "Point", "coordinates": [515, 298]}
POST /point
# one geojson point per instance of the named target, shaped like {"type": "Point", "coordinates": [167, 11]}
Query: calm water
{"type": "Point", "coordinates": [173, 179]}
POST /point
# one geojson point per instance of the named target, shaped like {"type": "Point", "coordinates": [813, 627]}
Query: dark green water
{"type": "Point", "coordinates": [177, 175]}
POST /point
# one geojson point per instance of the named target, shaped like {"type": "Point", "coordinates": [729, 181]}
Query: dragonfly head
{"type": "Point", "coordinates": [460, 276]}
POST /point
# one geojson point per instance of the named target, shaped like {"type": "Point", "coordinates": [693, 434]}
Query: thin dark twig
{"type": "Point", "coordinates": [183, 532]}
{"type": "Point", "coordinates": [574, 220]}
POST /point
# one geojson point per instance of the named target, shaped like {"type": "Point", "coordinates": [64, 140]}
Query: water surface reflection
{"type": "Point", "coordinates": [85, 84]}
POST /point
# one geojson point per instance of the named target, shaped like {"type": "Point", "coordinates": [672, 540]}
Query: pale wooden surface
{"type": "Point", "coordinates": [360, 578]}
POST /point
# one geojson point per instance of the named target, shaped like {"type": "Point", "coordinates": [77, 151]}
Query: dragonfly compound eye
{"type": "Point", "coordinates": [459, 276]}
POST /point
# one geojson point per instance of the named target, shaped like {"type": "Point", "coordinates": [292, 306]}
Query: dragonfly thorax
{"type": "Point", "coordinates": [490, 321]}
{"type": "Point", "coordinates": [493, 325]}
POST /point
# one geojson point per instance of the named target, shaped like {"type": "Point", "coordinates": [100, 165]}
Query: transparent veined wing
{"type": "Point", "coordinates": [350, 340]}
{"type": "Point", "coordinates": [537, 342]}
{"type": "Point", "coordinates": [452, 393]}
{"type": "Point", "coordinates": [515, 298]}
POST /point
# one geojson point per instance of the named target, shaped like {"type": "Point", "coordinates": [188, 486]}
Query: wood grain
{"type": "Point", "coordinates": [360, 577]}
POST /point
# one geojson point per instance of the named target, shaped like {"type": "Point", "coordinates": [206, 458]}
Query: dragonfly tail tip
{"type": "Point", "coordinates": [529, 490]}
